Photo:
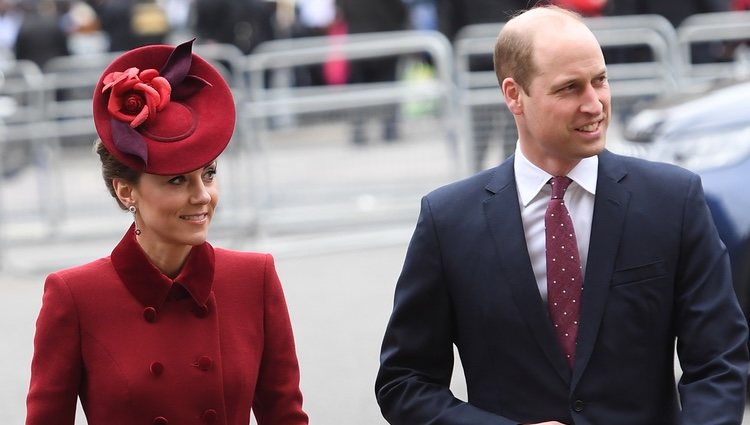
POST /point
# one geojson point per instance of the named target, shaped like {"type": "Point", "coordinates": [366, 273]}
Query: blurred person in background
{"type": "Point", "coordinates": [114, 17]}
{"type": "Point", "coordinates": [243, 23]}
{"type": "Point", "coordinates": [583, 7]}
{"type": "Point", "coordinates": [131, 23]}
{"type": "Point", "coordinates": [423, 14]}
{"type": "Point", "coordinates": [178, 13]}
{"type": "Point", "coordinates": [453, 15]}
{"type": "Point", "coordinates": [675, 11]}
{"type": "Point", "coordinates": [568, 278]}
{"type": "Point", "coordinates": [167, 328]}
{"type": "Point", "coordinates": [40, 37]}
{"type": "Point", "coordinates": [10, 22]}
{"type": "Point", "coordinates": [314, 18]}
{"type": "Point", "coordinates": [366, 16]}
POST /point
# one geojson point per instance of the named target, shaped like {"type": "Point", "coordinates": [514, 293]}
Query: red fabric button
{"type": "Point", "coordinates": [156, 368]}
{"type": "Point", "coordinates": [160, 420]}
{"type": "Point", "coordinates": [200, 311]}
{"type": "Point", "coordinates": [149, 314]}
{"type": "Point", "coordinates": [209, 416]}
{"type": "Point", "coordinates": [204, 363]}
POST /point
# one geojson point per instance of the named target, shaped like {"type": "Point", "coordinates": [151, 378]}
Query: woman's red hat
{"type": "Point", "coordinates": [163, 110]}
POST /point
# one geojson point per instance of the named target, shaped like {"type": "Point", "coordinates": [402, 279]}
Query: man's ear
{"type": "Point", "coordinates": [512, 92]}
{"type": "Point", "coordinates": [124, 191]}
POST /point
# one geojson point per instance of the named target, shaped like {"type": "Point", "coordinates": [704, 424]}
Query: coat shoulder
{"type": "Point", "coordinates": [232, 263]}
{"type": "Point", "coordinates": [469, 187]}
{"type": "Point", "coordinates": [86, 274]}
{"type": "Point", "coordinates": [243, 258]}
{"type": "Point", "coordinates": [653, 171]}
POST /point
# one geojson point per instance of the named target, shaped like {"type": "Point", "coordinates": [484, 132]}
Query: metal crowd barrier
{"type": "Point", "coordinates": [722, 31]}
{"type": "Point", "coordinates": [308, 172]}
{"type": "Point", "coordinates": [291, 167]}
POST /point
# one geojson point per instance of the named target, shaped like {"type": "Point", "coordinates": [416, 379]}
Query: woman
{"type": "Point", "coordinates": [167, 329]}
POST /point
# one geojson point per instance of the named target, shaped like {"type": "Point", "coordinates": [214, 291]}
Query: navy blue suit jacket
{"type": "Point", "coordinates": [657, 273]}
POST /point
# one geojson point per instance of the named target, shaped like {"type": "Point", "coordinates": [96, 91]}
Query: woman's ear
{"type": "Point", "coordinates": [124, 191]}
{"type": "Point", "coordinates": [512, 93]}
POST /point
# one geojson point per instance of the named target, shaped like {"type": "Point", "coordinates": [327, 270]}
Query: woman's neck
{"type": "Point", "coordinates": [169, 259]}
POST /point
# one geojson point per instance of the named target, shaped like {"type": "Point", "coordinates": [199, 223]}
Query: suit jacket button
{"type": "Point", "coordinates": [209, 416]}
{"type": "Point", "coordinates": [203, 363]}
{"type": "Point", "coordinates": [578, 406]}
{"type": "Point", "coordinates": [156, 368]}
{"type": "Point", "coordinates": [160, 420]}
{"type": "Point", "coordinates": [149, 314]}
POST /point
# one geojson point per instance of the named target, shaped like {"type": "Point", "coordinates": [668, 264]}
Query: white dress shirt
{"type": "Point", "coordinates": [533, 196]}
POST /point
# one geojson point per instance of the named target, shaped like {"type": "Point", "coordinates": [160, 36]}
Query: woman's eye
{"type": "Point", "coordinates": [210, 174]}
{"type": "Point", "coordinates": [177, 180]}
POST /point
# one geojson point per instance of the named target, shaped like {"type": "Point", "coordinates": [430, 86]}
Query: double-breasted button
{"type": "Point", "coordinates": [578, 406]}
{"type": "Point", "coordinates": [149, 314]}
{"type": "Point", "coordinates": [156, 368]}
{"type": "Point", "coordinates": [160, 420]}
{"type": "Point", "coordinates": [200, 311]}
{"type": "Point", "coordinates": [204, 363]}
{"type": "Point", "coordinates": [209, 416]}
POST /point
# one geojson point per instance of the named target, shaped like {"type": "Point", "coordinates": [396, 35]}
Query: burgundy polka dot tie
{"type": "Point", "coordinates": [564, 282]}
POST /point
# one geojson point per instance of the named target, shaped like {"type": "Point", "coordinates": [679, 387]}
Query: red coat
{"type": "Point", "coordinates": [138, 349]}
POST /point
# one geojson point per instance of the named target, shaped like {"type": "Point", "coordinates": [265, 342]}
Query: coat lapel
{"type": "Point", "coordinates": [503, 216]}
{"type": "Point", "coordinates": [610, 207]}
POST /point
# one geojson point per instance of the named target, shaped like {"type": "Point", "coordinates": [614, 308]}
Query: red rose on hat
{"type": "Point", "coordinates": [136, 95]}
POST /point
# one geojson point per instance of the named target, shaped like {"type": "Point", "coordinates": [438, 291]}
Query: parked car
{"type": "Point", "coordinates": [708, 133]}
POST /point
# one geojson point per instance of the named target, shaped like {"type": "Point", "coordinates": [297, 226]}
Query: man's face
{"type": "Point", "coordinates": [566, 112]}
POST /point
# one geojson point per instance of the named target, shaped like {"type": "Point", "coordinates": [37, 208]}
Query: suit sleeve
{"type": "Point", "coordinates": [711, 328]}
{"type": "Point", "coordinates": [416, 359]}
{"type": "Point", "coordinates": [56, 366]}
{"type": "Point", "coordinates": [278, 399]}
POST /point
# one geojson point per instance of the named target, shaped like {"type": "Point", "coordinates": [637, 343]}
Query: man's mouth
{"type": "Point", "coordinates": [588, 128]}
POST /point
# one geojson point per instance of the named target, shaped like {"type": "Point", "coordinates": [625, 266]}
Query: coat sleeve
{"type": "Point", "coordinates": [711, 328]}
{"type": "Point", "coordinates": [56, 366]}
{"type": "Point", "coordinates": [278, 399]}
{"type": "Point", "coordinates": [416, 359]}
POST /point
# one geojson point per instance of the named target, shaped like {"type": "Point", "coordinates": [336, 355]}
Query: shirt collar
{"type": "Point", "coordinates": [149, 285]}
{"type": "Point", "coordinates": [530, 179]}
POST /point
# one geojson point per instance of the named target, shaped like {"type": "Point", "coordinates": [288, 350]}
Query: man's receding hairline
{"type": "Point", "coordinates": [538, 14]}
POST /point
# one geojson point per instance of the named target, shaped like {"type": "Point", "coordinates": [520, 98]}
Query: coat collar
{"type": "Point", "coordinates": [149, 285]}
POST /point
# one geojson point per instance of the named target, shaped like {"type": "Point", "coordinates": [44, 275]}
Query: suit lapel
{"type": "Point", "coordinates": [503, 216]}
{"type": "Point", "coordinates": [610, 207]}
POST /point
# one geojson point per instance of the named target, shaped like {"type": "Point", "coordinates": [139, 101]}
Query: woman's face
{"type": "Point", "coordinates": [175, 210]}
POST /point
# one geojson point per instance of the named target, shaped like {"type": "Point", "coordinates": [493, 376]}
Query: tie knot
{"type": "Point", "coordinates": [559, 185]}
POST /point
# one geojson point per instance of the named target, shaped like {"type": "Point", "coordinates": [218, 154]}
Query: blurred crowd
{"type": "Point", "coordinates": [41, 29]}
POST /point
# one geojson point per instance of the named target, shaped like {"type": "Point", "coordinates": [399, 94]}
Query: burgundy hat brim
{"type": "Point", "coordinates": [188, 134]}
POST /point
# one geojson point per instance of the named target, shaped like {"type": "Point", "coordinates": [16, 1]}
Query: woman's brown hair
{"type": "Point", "coordinates": [114, 169]}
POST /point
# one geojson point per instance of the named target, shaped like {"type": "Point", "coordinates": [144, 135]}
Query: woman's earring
{"type": "Point", "coordinates": [132, 210]}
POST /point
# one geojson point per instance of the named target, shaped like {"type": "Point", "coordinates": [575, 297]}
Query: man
{"type": "Point", "coordinates": [650, 270]}
{"type": "Point", "coordinates": [366, 16]}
